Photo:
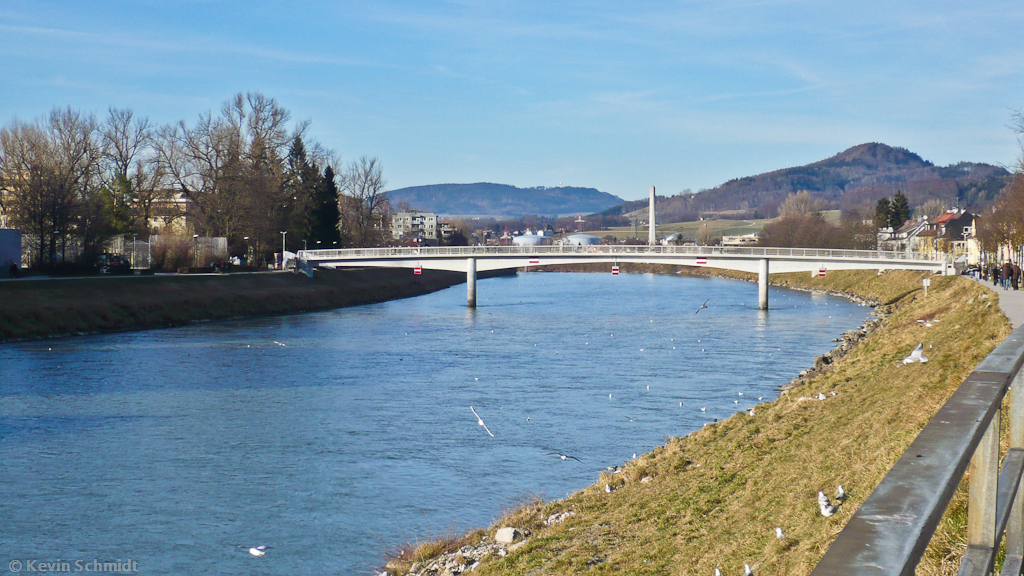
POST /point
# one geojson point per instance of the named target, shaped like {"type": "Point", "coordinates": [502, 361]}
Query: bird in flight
{"type": "Point", "coordinates": [258, 551]}
{"type": "Point", "coordinates": [702, 306]}
{"type": "Point", "coordinates": [480, 421]}
{"type": "Point", "coordinates": [916, 356]}
{"type": "Point", "coordinates": [564, 456]}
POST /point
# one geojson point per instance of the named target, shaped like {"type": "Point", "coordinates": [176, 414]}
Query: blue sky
{"type": "Point", "coordinates": [612, 95]}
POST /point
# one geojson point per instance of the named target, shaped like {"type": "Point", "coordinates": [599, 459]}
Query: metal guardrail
{"type": "Point", "coordinates": [890, 531]}
{"type": "Point", "coordinates": [468, 251]}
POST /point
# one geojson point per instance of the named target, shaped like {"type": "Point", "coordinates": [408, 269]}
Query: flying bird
{"type": "Point", "coordinates": [564, 456]}
{"type": "Point", "coordinates": [702, 306]}
{"type": "Point", "coordinates": [916, 356]}
{"type": "Point", "coordinates": [480, 421]}
{"type": "Point", "coordinates": [258, 551]}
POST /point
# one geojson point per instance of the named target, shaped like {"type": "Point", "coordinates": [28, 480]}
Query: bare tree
{"type": "Point", "coordinates": [802, 204]}
{"type": "Point", "coordinates": [231, 168]}
{"type": "Point", "coordinates": [49, 172]}
{"type": "Point", "coordinates": [364, 207]}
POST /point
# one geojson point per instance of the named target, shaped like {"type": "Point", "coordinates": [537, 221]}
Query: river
{"type": "Point", "coordinates": [335, 436]}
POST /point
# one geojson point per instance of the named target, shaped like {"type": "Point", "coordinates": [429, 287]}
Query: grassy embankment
{"type": "Point", "coordinates": [61, 307]}
{"type": "Point", "coordinates": [714, 497]}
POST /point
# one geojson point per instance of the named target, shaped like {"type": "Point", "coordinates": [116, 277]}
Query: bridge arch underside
{"type": "Point", "coordinates": [779, 264]}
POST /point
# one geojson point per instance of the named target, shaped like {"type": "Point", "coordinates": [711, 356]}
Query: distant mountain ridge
{"type": "Point", "coordinates": [503, 200]}
{"type": "Point", "coordinates": [855, 177]}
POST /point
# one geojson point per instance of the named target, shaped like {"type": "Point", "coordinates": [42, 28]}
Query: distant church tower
{"type": "Point", "coordinates": [651, 239]}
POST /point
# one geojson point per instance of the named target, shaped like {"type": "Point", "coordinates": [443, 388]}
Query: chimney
{"type": "Point", "coordinates": [651, 238]}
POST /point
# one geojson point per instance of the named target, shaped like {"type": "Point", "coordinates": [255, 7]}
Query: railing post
{"type": "Point", "coordinates": [1015, 526]}
{"type": "Point", "coordinates": [981, 506]}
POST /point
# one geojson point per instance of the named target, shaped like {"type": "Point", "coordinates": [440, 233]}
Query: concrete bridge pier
{"type": "Point", "coordinates": [762, 285]}
{"type": "Point", "coordinates": [471, 282]}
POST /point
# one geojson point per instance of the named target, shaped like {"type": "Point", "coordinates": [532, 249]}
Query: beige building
{"type": "Point", "coordinates": [419, 224]}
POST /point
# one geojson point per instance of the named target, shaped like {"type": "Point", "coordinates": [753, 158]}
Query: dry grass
{"type": "Point", "coordinates": [402, 558]}
{"type": "Point", "coordinates": [46, 308]}
{"type": "Point", "coordinates": [715, 497]}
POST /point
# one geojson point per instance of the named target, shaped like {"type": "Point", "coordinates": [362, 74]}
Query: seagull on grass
{"type": "Point", "coordinates": [827, 508]}
{"type": "Point", "coordinates": [702, 306]}
{"type": "Point", "coordinates": [747, 571]}
{"type": "Point", "coordinates": [840, 493]}
{"type": "Point", "coordinates": [480, 421]}
{"type": "Point", "coordinates": [916, 356]}
{"type": "Point", "coordinates": [778, 533]}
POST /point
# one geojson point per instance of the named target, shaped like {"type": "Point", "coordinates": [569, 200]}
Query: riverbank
{"type": "Point", "coordinates": [50, 308]}
{"type": "Point", "coordinates": [714, 497]}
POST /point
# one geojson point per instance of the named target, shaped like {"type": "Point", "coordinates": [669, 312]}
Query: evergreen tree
{"type": "Point", "coordinates": [324, 214]}
{"type": "Point", "coordinates": [882, 213]}
{"type": "Point", "coordinates": [899, 210]}
{"type": "Point", "coordinates": [299, 192]}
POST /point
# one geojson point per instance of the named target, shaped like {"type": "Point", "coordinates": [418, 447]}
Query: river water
{"type": "Point", "coordinates": [335, 436]}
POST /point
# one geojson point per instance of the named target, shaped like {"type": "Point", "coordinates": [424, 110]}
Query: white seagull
{"type": "Point", "coordinates": [258, 551]}
{"type": "Point", "coordinates": [916, 356]}
{"type": "Point", "coordinates": [607, 488]}
{"type": "Point", "coordinates": [778, 533]}
{"type": "Point", "coordinates": [702, 306]}
{"type": "Point", "coordinates": [718, 572]}
{"type": "Point", "coordinates": [564, 456]}
{"type": "Point", "coordinates": [826, 507]}
{"type": "Point", "coordinates": [840, 493]}
{"type": "Point", "coordinates": [747, 571]}
{"type": "Point", "coordinates": [480, 421]}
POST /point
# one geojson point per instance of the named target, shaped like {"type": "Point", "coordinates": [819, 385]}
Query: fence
{"type": "Point", "coordinates": [890, 531]}
{"type": "Point", "coordinates": [606, 249]}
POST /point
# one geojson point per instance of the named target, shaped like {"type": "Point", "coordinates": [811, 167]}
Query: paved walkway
{"type": "Point", "coordinates": [1012, 303]}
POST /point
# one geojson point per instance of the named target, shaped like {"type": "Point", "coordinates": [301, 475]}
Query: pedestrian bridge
{"type": "Point", "coordinates": [471, 259]}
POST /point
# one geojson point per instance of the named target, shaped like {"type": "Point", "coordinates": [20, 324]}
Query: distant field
{"type": "Point", "coordinates": [718, 228]}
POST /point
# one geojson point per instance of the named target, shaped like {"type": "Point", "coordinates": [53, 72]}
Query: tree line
{"type": "Point", "coordinates": [71, 181]}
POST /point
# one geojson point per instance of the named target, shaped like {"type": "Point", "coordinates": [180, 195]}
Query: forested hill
{"type": "Point", "coordinates": [855, 177]}
{"type": "Point", "coordinates": [501, 200]}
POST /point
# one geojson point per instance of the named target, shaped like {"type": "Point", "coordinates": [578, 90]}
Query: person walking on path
{"type": "Point", "coordinates": [1006, 275]}
{"type": "Point", "coordinates": [1016, 276]}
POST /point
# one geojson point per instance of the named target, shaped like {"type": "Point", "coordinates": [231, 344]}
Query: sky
{"type": "Point", "coordinates": [617, 96]}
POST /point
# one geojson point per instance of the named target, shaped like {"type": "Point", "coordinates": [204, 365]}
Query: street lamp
{"type": "Point", "coordinates": [195, 250]}
{"type": "Point", "coordinates": [247, 258]}
{"type": "Point", "coordinates": [284, 246]}
{"type": "Point", "coordinates": [135, 237]}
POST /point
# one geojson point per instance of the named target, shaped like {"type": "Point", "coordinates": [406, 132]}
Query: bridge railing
{"type": "Point", "coordinates": [890, 531]}
{"type": "Point", "coordinates": [468, 251]}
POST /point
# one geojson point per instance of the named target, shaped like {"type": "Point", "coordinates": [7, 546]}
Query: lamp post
{"type": "Point", "coordinates": [304, 247]}
{"type": "Point", "coordinates": [135, 237]}
{"type": "Point", "coordinates": [53, 251]}
{"type": "Point", "coordinates": [247, 258]}
{"type": "Point", "coordinates": [195, 250]}
{"type": "Point", "coordinates": [284, 246]}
